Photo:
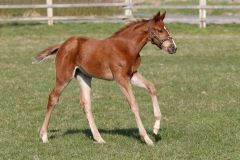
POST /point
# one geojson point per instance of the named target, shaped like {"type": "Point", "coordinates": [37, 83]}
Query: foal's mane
{"type": "Point", "coordinates": [132, 25]}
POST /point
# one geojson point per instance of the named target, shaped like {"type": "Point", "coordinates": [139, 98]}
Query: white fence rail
{"type": "Point", "coordinates": [49, 6]}
{"type": "Point", "coordinates": [127, 6]}
{"type": "Point", "coordinates": [202, 7]}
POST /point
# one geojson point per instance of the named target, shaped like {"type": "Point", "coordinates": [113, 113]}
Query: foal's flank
{"type": "Point", "coordinates": [115, 58]}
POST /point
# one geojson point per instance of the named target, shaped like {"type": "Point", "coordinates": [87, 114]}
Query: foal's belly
{"type": "Point", "coordinates": [97, 70]}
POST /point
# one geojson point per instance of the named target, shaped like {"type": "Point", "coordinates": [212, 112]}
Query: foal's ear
{"type": "Point", "coordinates": [157, 16]}
{"type": "Point", "coordinates": [163, 15]}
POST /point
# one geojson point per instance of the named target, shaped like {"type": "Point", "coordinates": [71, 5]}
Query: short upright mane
{"type": "Point", "coordinates": [130, 25]}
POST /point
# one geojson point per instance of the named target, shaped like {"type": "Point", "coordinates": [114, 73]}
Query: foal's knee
{"type": "Point", "coordinates": [158, 117]}
{"type": "Point", "coordinates": [85, 105]}
{"type": "Point", "coordinates": [152, 88]}
{"type": "Point", "coordinates": [135, 109]}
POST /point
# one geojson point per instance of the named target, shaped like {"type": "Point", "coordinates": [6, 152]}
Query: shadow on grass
{"type": "Point", "coordinates": [54, 133]}
{"type": "Point", "coordinates": [126, 132]}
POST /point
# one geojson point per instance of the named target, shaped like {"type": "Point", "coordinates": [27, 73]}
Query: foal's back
{"type": "Point", "coordinates": [94, 57]}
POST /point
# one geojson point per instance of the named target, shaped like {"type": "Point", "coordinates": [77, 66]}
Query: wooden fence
{"type": "Point", "coordinates": [202, 7]}
{"type": "Point", "coordinates": [127, 6]}
{"type": "Point", "coordinates": [49, 6]}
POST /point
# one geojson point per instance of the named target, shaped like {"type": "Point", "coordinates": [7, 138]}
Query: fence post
{"type": "Point", "coordinates": [49, 12]}
{"type": "Point", "coordinates": [202, 13]}
{"type": "Point", "coordinates": [128, 8]}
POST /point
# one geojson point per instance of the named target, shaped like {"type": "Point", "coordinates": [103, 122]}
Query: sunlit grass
{"type": "Point", "coordinates": [198, 90]}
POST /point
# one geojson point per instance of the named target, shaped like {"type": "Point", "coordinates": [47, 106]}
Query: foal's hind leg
{"type": "Point", "coordinates": [85, 100]}
{"type": "Point", "coordinates": [52, 101]}
{"type": "Point", "coordinates": [138, 80]}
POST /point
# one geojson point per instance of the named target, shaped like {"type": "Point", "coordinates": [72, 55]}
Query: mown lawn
{"type": "Point", "coordinates": [198, 89]}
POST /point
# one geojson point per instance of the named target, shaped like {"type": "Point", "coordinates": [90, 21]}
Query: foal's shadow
{"type": "Point", "coordinates": [126, 132]}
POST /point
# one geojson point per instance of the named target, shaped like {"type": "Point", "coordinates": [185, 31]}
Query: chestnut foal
{"type": "Point", "coordinates": [114, 58]}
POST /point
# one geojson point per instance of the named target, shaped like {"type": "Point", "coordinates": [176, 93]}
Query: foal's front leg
{"type": "Point", "coordinates": [125, 87]}
{"type": "Point", "coordinates": [85, 100]}
{"type": "Point", "coordinates": [138, 80]}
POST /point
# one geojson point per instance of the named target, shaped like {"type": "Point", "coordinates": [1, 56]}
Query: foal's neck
{"type": "Point", "coordinates": [135, 36]}
{"type": "Point", "coordinates": [138, 37]}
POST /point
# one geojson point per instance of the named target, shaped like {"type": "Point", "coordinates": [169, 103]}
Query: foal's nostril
{"type": "Point", "coordinates": [174, 48]}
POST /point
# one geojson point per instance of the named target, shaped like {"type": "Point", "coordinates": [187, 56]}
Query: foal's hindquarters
{"type": "Point", "coordinates": [68, 65]}
{"type": "Point", "coordinates": [66, 69]}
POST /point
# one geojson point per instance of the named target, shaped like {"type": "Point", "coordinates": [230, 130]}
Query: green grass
{"type": "Point", "coordinates": [198, 89]}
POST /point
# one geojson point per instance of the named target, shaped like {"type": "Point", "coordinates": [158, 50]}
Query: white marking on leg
{"type": "Point", "coordinates": [44, 137]}
{"type": "Point", "coordinates": [157, 114]}
{"type": "Point", "coordinates": [52, 101]}
{"type": "Point", "coordinates": [85, 84]}
{"type": "Point", "coordinates": [156, 127]}
{"type": "Point", "coordinates": [127, 91]}
{"type": "Point", "coordinates": [140, 81]}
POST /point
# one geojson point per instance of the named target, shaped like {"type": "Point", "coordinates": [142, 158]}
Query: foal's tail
{"type": "Point", "coordinates": [47, 53]}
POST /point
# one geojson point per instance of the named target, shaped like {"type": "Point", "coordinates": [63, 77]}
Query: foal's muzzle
{"type": "Point", "coordinates": [172, 49]}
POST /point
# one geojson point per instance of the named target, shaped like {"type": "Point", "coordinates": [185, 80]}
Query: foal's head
{"type": "Point", "coordinates": [159, 34]}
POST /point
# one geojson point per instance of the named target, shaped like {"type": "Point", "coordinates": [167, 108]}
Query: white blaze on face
{"type": "Point", "coordinates": [170, 40]}
{"type": "Point", "coordinates": [166, 30]}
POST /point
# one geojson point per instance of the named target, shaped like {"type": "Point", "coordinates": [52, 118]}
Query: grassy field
{"type": "Point", "coordinates": [198, 89]}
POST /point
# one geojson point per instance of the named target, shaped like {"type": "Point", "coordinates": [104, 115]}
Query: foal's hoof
{"type": "Point", "coordinates": [44, 137]}
{"type": "Point", "coordinates": [148, 141]}
{"type": "Point", "coordinates": [99, 140]}
{"type": "Point", "coordinates": [155, 131]}
{"type": "Point", "coordinates": [156, 127]}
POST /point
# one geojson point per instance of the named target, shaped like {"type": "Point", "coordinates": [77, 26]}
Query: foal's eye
{"type": "Point", "coordinates": [160, 30]}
